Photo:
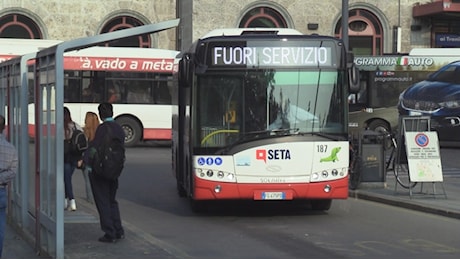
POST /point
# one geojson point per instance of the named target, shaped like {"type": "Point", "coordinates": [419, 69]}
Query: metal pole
{"type": "Point", "coordinates": [345, 23]}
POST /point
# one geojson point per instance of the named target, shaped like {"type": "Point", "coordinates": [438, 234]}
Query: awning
{"type": "Point", "coordinates": [438, 9]}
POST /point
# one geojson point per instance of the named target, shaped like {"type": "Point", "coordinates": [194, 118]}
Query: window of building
{"type": "Point", "coordinates": [19, 26]}
{"type": "Point", "coordinates": [364, 33]}
{"type": "Point", "coordinates": [265, 17]}
{"type": "Point", "coordinates": [125, 22]}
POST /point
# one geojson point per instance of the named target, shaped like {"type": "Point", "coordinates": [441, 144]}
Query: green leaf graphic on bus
{"type": "Point", "coordinates": [333, 157]}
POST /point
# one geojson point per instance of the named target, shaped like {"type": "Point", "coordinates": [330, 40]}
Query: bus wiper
{"type": "Point", "coordinates": [270, 132]}
{"type": "Point", "coordinates": [285, 131]}
{"type": "Point", "coordinates": [262, 134]}
{"type": "Point", "coordinates": [329, 136]}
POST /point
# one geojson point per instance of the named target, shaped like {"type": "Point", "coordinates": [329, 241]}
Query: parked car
{"type": "Point", "coordinates": [438, 97]}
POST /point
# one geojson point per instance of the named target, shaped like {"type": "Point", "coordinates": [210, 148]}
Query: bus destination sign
{"type": "Point", "coordinates": [271, 56]}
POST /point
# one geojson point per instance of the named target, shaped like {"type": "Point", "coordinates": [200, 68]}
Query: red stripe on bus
{"type": "Point", "coordinates": [31, 130]}
{"type": "Point", "coordinates": [149, 134]}
{"type": "Point", "coordinates": [157, 134]}
{"type": "Point", "coordinates": [119, 64]}
{"type": "Point", "coordinates": [165, 65]}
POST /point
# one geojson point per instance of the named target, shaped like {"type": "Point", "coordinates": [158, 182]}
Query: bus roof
{"type": "Point", "coordinates": [17, 47]}
{"type": "Point", "coordinates": [123, 52]}
{"type": "Point", "coordinates": [102, 58]}
{"type": "Point", "coordinates": [435, 52]}
{"type": "Point", "coordinates": [242, 31]}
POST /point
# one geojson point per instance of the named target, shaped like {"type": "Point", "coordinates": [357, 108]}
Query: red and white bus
{"type": "Point", "coordinates": [262, 114]}
{"type": "Point", "coordinates": [137, 81]}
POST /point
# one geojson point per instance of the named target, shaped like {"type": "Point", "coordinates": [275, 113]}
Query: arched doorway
{"type": "Point", "coordinates": [365, 33]}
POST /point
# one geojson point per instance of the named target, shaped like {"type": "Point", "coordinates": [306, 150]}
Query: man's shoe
{"type": "Point", "coordinates": [122, 236]}
{"type": "Point", "coordinates": [107, 239]}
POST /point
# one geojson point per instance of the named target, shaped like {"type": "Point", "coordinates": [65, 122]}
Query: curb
{"type": "Point", "coordinates": [394, 201]}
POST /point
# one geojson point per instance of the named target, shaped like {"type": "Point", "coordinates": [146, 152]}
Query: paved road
{"type": "Point", "coordinates": [144, 243]}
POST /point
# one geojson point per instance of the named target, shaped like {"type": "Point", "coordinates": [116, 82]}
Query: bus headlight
{"type": "Point", "coordinates": [315, 176]}
{"type": "Point", "coordinates": [335, 172]}
{"type": "Point", "coordinates": [220, 174]}
{"type": "Point", "coordinates": [344, 172]}
{"type": "Point", "coordinates": [209, 173]}
{"type": "Point", "coordinates": [324, 174]}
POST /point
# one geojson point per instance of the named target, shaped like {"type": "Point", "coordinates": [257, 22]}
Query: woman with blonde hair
{"type": "Point", "coordinates": [91, 124]}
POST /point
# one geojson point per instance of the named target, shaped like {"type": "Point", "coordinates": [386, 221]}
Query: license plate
{"type": "Point", "coordinates": [270, 195]}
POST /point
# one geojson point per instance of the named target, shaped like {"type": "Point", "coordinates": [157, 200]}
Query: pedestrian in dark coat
{"type": "Point", "coordinates": [104, 190]}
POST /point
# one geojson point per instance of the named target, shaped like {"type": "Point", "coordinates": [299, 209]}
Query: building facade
{"type": "Point", "coordinates": [375, 27]}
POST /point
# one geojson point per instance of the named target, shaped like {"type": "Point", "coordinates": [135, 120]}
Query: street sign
{"type": "Point", "coordinates": [424, 160]}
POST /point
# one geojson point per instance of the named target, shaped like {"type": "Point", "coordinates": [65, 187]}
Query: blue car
{"type": "Point", "coordinates": [437, 97]}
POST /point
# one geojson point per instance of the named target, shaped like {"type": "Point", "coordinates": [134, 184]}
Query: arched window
{"type": "Point", "coordinates": [19, 26]}
{"type": "Point", "coordinates": [263, 17]}
{"type": "Point", "coordinates": [124, 22]}
{"type": "Point", "coordinates": [365, 33]}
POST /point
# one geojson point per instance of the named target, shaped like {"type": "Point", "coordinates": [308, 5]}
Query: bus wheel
{"type": "Point", "coordinates": [181, 191]}
{"type": "Point", "coordinates": [132, 130]}
{"type": "Point", "coordinates": [321, 204]}
{"type": "Point", "coordinates": [180, 188]}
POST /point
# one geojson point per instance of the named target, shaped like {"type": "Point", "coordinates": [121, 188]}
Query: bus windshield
{"type": "Point", "coordinates": [262, 103]}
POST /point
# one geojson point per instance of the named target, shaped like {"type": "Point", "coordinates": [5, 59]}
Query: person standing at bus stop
{"type": "Point", "coordinates": [91, 124]}
{"type": "Point", "coordinates": [8, 169]}
{"type": "Point", "coordinates": [70, 161]}
{"type": "Point", "coordinates": [105, 190]}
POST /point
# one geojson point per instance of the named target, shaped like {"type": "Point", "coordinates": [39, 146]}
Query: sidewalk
{"type": "Point", "coordinates": [83, 225]}
{"type": "Point", "coordinates": [431, 199]}
{"type": "Point", "coordinates": [137, 244]}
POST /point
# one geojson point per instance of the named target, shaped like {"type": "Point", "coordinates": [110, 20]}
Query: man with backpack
{"type": "Point", "coordinates": [104, 161]}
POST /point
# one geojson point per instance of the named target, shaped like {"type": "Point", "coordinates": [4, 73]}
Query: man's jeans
{"type": "Point", "coordinates": [3, 204]}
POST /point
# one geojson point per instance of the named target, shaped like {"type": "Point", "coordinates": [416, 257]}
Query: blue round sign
{"type": "Point", "coordinates": [209, 161]}
{"type": "Point", "coordinates": [201, 161]}
{"type": "Point", "coordinates": [422, 140]}
{"type": "Point", "coordinates": [218, 161]}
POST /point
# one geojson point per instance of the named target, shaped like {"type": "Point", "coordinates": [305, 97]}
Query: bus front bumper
{"type": "Point", "coordinates": [209, 190]}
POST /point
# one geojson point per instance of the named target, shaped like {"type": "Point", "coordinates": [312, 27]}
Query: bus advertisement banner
{"type": "Point", "coordinates": [90, 63]}
{"type": "Point", "coordinates": [403, 63]}
{"type": "Point", "coordinates": [119, 64]}
{"type": "Point", "coordinates": [384, 78]}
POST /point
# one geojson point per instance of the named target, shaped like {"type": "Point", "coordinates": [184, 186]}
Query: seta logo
{"type": "Point", "coordinates": [273, 154]}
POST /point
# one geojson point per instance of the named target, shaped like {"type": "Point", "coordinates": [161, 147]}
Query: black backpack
{"type": "Point", "coordinates": [109, 158]}
{"type": "Point", "coordinates": [77, 144]}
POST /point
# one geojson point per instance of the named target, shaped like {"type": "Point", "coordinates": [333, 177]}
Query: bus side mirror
{"type": "Point", "coordinates": [185, 75]}
{"type": "Point", "coordinates": [353, 79]}
{"type": "Point", "coordinates": [353, 74]}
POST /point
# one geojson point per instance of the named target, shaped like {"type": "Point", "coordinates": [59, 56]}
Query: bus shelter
{"type": "Point", "coordinates": [36, 196]}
